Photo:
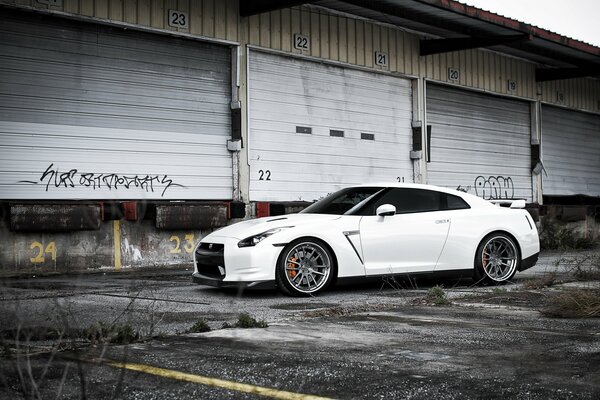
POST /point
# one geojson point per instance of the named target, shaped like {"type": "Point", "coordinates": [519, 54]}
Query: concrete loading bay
{"type": "Point", "coordinates": [144, 334]}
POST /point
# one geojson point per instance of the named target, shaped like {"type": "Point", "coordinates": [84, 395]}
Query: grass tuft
{"type": "Point", "coordinates": [245, 320]}
{"type": "Point", "coordinates": [199, 327]}
{"type": "Point", "coordinates": [437, 296]}
{"type": "Point", "coordinates": [117, 334]}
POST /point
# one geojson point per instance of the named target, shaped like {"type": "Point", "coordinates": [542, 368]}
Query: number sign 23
{"type": "Point", "coordinates": [177, 19]}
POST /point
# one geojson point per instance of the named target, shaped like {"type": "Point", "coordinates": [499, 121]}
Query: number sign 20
{"type": "Point", "coordinates": [453, 74]}
{"type": "Point", "coordinates": [178, 19]}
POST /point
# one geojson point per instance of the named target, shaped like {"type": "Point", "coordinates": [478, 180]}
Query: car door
{"type": "Point", "coordinates": [409, 241]}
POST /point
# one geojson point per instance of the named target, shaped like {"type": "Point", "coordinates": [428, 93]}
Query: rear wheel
{"type": "Point", "coordinates": [497, 259]}
{"type": "Point", "coordinates": [305, 267]}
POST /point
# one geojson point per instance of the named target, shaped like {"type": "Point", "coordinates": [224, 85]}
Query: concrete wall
{"type": "Point", "coordinates": [116, 245]}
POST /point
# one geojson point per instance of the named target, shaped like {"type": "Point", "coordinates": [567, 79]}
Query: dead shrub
{"type": "Point", "coordinates": [542, 282]}
{"type": "Point", "coordinates": [574, 303]}
{"type": "Point", "coordinates": [554, 236]}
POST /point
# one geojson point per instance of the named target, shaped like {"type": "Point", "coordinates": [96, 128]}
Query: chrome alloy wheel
{"type": "Point", "coordinates": [499, 258]}
{"type": "Point", "coordinates": [307, 267]}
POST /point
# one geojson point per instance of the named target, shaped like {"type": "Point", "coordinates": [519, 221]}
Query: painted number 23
{"type": "Point", "coordinates": [188, 246]}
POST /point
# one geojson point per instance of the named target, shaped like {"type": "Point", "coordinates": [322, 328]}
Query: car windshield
{"type": "Point", "coordinates": [343, 201]}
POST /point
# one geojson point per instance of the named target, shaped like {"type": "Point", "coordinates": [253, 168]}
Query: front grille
{"type": "Point", "coordinates": [210, 260]}
{"type": "Point", "coordinates": [212, 246]}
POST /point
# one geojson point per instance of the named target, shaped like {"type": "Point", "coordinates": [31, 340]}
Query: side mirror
{"type": "Point", "coordinates": [385, 210]}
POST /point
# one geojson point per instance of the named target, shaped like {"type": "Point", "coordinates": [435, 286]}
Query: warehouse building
{"type": "Point", "coordinates": [129, 129]}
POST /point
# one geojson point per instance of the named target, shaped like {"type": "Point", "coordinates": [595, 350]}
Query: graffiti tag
{"type": "Point", "coordinates": [494, 188]}
{"type": "Point", "coordinates": [52, 177]}
{"type": "Point", "coordinates": [491, 188]}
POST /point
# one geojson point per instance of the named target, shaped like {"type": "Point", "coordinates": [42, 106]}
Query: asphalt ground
{"type": "Point", "coordinates": [384, 339]}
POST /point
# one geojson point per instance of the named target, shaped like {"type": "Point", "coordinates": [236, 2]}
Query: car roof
{"type": "Point", "coordinates": [473, 200]}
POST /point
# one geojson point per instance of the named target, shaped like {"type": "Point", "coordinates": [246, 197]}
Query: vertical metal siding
{"type": "Point", "coordinates": [113, 103]}
{"type": "Point", "coordinates": [479, 141]}
{"type": "Point", "coordinates": [287, 93]}
{"type": "Point", "coordinates": [581, 93]}
{"type": "Point", "coordinates": [339, 37]}
{"type": "Point", "coordinates": [570, 152]}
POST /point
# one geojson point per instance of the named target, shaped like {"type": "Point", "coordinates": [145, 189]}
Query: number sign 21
{"type": "Point", "coordinates": [381, 59]}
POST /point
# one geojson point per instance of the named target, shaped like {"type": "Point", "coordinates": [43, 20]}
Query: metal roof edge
{"type": "Point", "coordinates": [488, 16]}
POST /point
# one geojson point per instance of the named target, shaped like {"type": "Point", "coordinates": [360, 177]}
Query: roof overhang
{"type": "Point", "coordinates": [448, 25]}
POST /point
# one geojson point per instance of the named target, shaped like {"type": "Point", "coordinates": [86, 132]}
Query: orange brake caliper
{"type": "Point", "coordinates": [292, 272]}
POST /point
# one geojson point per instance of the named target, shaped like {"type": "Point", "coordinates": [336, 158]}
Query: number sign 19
{"type": "Point", "coordinates": [178, 19]}
{"type": "Point", "coordinates": [301, 42]}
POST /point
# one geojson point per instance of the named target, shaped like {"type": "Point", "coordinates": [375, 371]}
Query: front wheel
{"type": "Point", "coordinates": [305, 267]}
{"type": "Point", "coordinates": [497, 259]}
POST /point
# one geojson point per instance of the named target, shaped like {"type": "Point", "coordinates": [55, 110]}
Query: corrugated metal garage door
{"type": "Point", "coordinates": [479, 143]}
{"type": "Point", "coordinates": [315, 128]}
{"type": "Point", "coordinates": [570, 152]}
{"type": "Point", "coordinates": [90, 112]}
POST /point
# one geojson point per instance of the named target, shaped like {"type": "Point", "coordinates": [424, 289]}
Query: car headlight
{"type": "Point", "coordinates": [254, 240]}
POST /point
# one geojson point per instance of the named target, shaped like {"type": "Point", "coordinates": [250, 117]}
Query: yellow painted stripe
{"type": "Point", "coordinates": [117, 244]}
{"type": "Point", "coordinates": [220, 383]}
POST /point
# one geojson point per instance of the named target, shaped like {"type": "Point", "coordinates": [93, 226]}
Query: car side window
{"type": "Point", "coordinates": [455, 202]}
{"type": "Point", "coordinates": [407, 201]}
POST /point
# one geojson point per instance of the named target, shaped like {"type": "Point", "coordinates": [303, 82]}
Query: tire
{"type": "Point", "coordinates": [497, 259]}
{"type": "Point", "coordinates": [305, 267]}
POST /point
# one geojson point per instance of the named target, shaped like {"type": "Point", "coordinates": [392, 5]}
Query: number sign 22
{"type": "Point", "coordinates": [264, 175]}
{"type": "Point", "coordinates": [301, 42]}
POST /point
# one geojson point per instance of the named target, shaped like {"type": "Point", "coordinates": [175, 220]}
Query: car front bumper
{"type": "Point", "coordinates": [218, 283]}
{"type": "Point", "coordinates": [219, 262]}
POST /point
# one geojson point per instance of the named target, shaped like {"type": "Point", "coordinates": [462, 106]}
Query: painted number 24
{"type": "Point", "coordinates": [40, 251]}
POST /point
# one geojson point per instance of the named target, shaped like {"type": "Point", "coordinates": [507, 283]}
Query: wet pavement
{"type": "Point", "coordinates": [376, 340]}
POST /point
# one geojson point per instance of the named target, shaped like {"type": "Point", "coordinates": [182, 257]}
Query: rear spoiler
{"type": "Point", "coordinates": [509, 203]}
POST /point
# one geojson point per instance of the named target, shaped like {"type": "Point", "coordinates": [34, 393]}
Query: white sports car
{"type": "Point", "coordinates": [372, 230]}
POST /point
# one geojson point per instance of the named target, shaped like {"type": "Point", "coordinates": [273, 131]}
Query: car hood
{"type": "Point", "coordinates": [244, 229]}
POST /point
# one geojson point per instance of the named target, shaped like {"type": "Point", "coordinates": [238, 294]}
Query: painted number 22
{"type": "Point", "coordinates": [264, 175]}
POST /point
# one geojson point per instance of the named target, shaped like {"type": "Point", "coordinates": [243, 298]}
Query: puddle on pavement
{"type": "Point", "coordinates": [303, 306]}
{"type": "Point", "coordinates": [40, 285]}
